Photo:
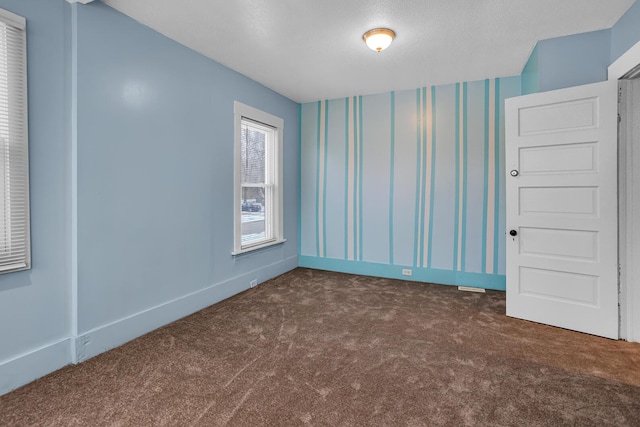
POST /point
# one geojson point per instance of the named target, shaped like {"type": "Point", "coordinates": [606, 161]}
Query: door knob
{"type": "Point", "coordinates": [513, 232]}
{"type": "Point", "coordinates": [514, 172]}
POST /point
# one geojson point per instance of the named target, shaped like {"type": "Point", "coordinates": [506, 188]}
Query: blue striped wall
{"type": "Point", "coordinates": [407, 180]}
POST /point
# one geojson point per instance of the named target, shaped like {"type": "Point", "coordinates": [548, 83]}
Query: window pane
{"type": "Point", "coordinates": [253, 143]}
{"type": "Point", "coordinates": [257, 186]}
{"type": "Point", "coordinates": [253, 221]}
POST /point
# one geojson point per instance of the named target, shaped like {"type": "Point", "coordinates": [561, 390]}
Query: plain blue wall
{"type": "Point", "coordinates": [35, 304]}
{"type": "Point", "coordinates": [581, 58]}
{"type": "Point", "coordinates": [626, 32]}
{"type": "Point", "coordinates": [154, 187]}
{"type": "Point", "coordinates": [155, 168]}
{"type": "Point", "coordinates": [530, 74]}
{"type": "Point", "coordinates": [573, 60]}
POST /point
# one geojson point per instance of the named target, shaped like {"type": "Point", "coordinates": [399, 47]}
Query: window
{"type": "Point", "coordinates": [258, 179]}
{"type": "Point", "coordinates": [14, 159]}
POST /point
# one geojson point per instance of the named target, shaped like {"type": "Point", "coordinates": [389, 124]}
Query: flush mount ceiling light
{"type": "Point", "coordinates": [379, 38]}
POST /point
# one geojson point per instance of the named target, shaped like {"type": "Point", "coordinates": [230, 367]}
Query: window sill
{"type": "Point", "coordinates": [14, 267]}
{"type": "Point", "coordinates": [259, 246]}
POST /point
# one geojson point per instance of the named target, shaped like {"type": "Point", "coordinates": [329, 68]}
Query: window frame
{"type": "Point", "coordinates": [21, 110]}
{"type": "Point", "coordinates": [242, 111]}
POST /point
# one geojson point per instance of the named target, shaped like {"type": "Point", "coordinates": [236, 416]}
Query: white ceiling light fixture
{"type": "Point", "coordinates": [379, 39]}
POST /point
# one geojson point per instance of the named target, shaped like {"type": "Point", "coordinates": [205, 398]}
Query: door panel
{"type": "Point", "coordinates": [562, 266]}
{"type": "Point", "coordinates": [572, 202]}
{"type": "Point", "coordinates": [571, 244]}
{"type": "Point", "coordinates": [561, 158]}
{"type": "Point", "coordinates": [560, 286]}
{"type": "Point", "coordinates": [558, 116]}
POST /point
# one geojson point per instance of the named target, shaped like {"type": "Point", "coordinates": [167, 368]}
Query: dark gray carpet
{"type": "Point", "coordinates": [321, 348]}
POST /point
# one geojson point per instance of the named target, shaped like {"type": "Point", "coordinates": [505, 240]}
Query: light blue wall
{"type": "Point", "coordinates": [35, 304]}
{"type": "Point", "coordinates": [573, 60]}
{"type": "Point", "coordinates": [582, 58]}
{"type": "Point", "coordinates": [151, 151]}
{"type": "Point", "coordinates": [626, 32]}
{"type": "Point", "coordinates": [530, 73]}
{"type": "Point", "coordinates": [155, 175]}
{"type": "Point", "coordinates": [406, 180]}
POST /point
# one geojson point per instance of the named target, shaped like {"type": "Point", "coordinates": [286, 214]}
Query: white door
{"type": "Point", "coordinates": [561, 184]}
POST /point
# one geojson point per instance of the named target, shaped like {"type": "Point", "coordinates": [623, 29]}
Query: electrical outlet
{"type": "Point", "coordinates": [407, 272]}
{"type": "Point", "coordinates": [253, 283]}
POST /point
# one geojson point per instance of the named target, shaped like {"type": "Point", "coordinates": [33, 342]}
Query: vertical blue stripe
{"type": "Point", "coordinates": [324, 185]}
{"type": "Point", "coordinates": [486, 176]}
{"type": "Point", "coordinates": [496, 208]}
{"type": "Point", "coordinates": [423, 119]}
{"type": "Point", "coordinates": [360, 166]}
{"type": "Point", "coordinates": [299, 178]}
{"type": "Point", "coordinates": [433, 172]}
{"type": "Point", "coordinates": [416, 233]}
{"type": "Point", "coordinates": [465, 170]}
{"type": "Point", "coordinates": [318, 182]}
{"type": "Point", "coordinates": [356, 247]}
{"type": "Point", "coordinates": [346, 178]}
{"type": "Point", "coordinates": [457, 184]}
{"type": "Point", "coordinates": [392, 173]}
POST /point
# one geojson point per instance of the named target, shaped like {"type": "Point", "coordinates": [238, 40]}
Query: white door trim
{"type": "Point", "coordinates": [625, 63]}
{"type": "Point", "coordinates": [625, 225]}
{"type": "Point", "coordinates": [629, 210]}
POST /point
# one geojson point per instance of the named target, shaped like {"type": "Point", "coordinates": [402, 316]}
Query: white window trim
{"type": "Point", "coordinates": [240, 111]}
{"type": "Point", "coordinates": [20, 23]}
{"type": "Point", "coordinates": [13, 19]}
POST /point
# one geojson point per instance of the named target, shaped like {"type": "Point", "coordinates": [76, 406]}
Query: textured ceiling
{"type": "Point", "coordinates": [310, 50]}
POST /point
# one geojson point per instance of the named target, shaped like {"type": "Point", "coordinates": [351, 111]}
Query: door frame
{"type": "Point", "coordinates": [629, 214]}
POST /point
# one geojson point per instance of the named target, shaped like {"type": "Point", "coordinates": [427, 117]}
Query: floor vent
{"type": "Point", "coordinates": [470, 289]}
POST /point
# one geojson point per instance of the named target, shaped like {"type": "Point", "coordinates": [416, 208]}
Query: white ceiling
{"type": "Point", "coordinates": [312, 49]}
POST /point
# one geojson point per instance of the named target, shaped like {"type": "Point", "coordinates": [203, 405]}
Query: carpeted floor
{"type": "Point", "coordinates": [330, 349]}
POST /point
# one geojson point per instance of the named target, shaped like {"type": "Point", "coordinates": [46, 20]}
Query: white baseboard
{"type": "Point", "coordinates": [27, 367]}
{"type": "Point", "coordinates": [109, 336]}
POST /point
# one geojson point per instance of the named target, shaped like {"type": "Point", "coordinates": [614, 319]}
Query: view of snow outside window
{"type": "Point", "coordinates": [254, 177]}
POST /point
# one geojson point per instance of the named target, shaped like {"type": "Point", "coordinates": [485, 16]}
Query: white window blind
{"type": "Point", "coordinates": [14, 158]}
